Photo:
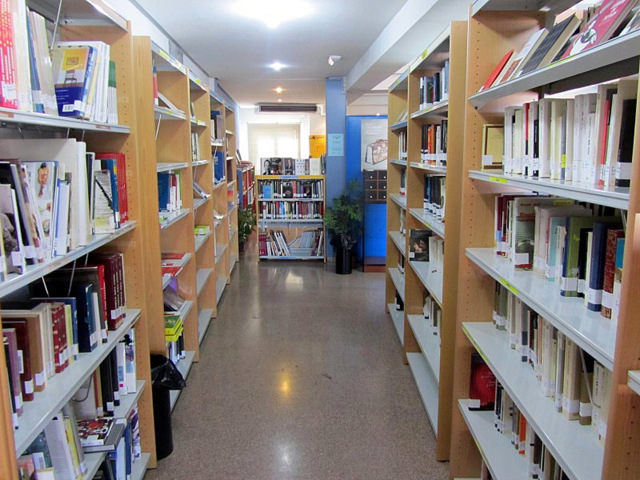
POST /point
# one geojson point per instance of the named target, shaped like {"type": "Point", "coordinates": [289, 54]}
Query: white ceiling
{"type": "Point", "coordinates": [237, 50]}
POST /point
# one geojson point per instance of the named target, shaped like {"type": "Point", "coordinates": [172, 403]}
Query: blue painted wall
{"type": "Point", "coordinates": [375, 215]}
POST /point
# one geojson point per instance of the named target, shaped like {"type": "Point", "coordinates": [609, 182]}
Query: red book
{"type": "Point", "coordinates": [107, 263]}
{"type": "Point", "coordinates": [13, 365]}
{"type": "Point", "coordinates": [26, 372]}
{"type": "Point", "coordinates": [496, 71]}
{"type": "Point", "coordinates": [61, 350]}
{"type": "Point", "coordinates": [609, 271]}
{"type": "Point", "coordinates": [601, 27]}
{"type": "Point", "coordinates": [482, 387]}
{"type": "Point", "coordinates": [262, 244]}
{"type": "Point", "coordinates": [9, 91]}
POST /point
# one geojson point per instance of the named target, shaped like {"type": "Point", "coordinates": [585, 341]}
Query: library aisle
{"type": "Point", "coordinates": [302, 379]}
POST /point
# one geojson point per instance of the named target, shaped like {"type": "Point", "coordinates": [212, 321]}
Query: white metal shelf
{"type": "Point", "coordinates": [401, 82]}
{"type": "Point", "coordinates": [436, 169]}
{"type": "Point", "coordinates": [398, 126]}
{"type": "Point", "coordinates": [429, 220]}
{"type": "Point", "coordinates": [202, 277]}
{"type": "Point", "coordinates": [34, 272]}
{"type": "Point", "coordinates": [426, 386]}
{"type": "Point", "coordinates": [62, 386]}
{"type": "Point", "coordinates": [168, 219]}
{"type": "Point", "coordinates": [219, 251]}
{"type": "Point", "coordinates": [397, 317]}
{"type": "Point", "coordinates": [164, 61]}
{"type": "Point", "coordinates": [232, 262]}
{"type": "Point", "coordinates": [616, 197]}
{"type": "Point", "coordinates": [634, 380]}
{"type": "Point", "coordinates": [80, 12]}
{"type": "Point", "coordinates": [502, 460]}
{"type": "Point", "coordinates": [184, 365]}
{"type": "Point", "coordinates": [574, 446]}
{"type": "Point", "coordinates": [93, 461]}
{"type": "Point", "coordinates": [200, 240]}
{"type": "Point", "coordinates": [401, 200]}
{"type": "Point", "coordinates": [168, 114]}
{"type": "Point", "coordinates": [128, 401]}
{"type": "Point", "coordinates": [8, 115]}
{"type": "Point", "coordinates": [399, 241]}
{"type": "Point", "coordinates": [437, 109]}
{"type": "Point", "coordinates": [579, 68]}
{"type": "Point", "coordinates": [590, 330]}
{"type": "Point", "coordinates": [428, 342]}
{"type": "Point", "coordinates": [432, 281]}
{"type": "Point", "coordinates": [402, 162]}
{"type": "Point", "coordinates": [198, 202]}
{"type": "Point", "coordinates": [204, 319]}
{"type": "Point", "coordinates": [221, 284]}
{"type": "Point", "coordinates": [398, 281]}
{"type": "Point", "coordinates": [140, 466]}
{"type": "Point", "coordinates": [170, 166]}
{"type": "Point", "coordinates": [199, 163]}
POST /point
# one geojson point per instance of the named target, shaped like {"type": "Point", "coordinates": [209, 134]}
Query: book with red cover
{"type": "Point", "coordinates": [609, 271]}
{"type": "Point", "coordinates": [496, 71]}
{"type": "Point", "coordinates": [109, 263]}
{"type": "Point", "coordinates": [602, 26]}
{"type": "Point", "coordinates": [21, 333]}
{"type": "Point", "coordinates": [34, 325]}
{"type": "Point", "coordinates": [8, 75]}
{"type": "Point", "coordinates": [61, 343]}
{"type": "Point", "coordinates": [11, 341]}
{"type": "Point", "coordinates": [482, 385]}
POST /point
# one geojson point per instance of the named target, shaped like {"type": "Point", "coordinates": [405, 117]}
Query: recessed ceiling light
{"type": "Point", "coordinates": [273, 12]}
{"type": "Point", "coordinates": [279, 89]}
{"type": "Point", "coordinates": [279, 99]}
{"type": "Point", "coordinates": [277, 66]}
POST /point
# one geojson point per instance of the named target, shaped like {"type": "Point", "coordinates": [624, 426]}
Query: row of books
{"type": "Point", "coordinates": [577, 247]}
{"type": "Point", "coordinates": [433, 316]}
{"type": "Point", "coordinates": [578, 385]}
{"type": "Point", "coordinates": [291, 166]}
{"type": "Point", "coordinates": [310, 243]}
{"type": "Point", "coordinates": [586, 139]}
{"type": "Point", "coordinates": [69, 313]}
{"type": "Point", "coordinates": [402, 145]}
{"type": "Point", "coordinates": [195, 147]}
{"type": "Point", "coordinates": [268, 189]}
{"type": "Point", "coordinates": [69, 78]}
{"type": "Point", "coordinates": [435, 195]}
{"type": "Point", "coordinates": [59, 451]}
{"type": "Point", "coordinates": [274, 243]}
{"type": "Point", "coordinates": [169, 191]}
{"type": "Point", "coordinates": [434, 88]}
{"type": "Point", "coordinates": [612, 18]}
{"type": "Point", "coordinates": [291, 210]}
{"type": "Point", "coordinates": [424, 246]}
{"type": "Point", "coordinates": [54, 195]}
{"type": "Point", "coordinates": [433, 143]}
{"type": "Point", "coordinates": [174, 314]}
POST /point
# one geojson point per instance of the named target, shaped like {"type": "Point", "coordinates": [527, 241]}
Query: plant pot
{"type": "Point", "coordinates": [344, 258]}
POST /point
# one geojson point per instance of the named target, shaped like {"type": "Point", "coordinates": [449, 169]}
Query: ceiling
{"type": "Point", "coordinates": [237, 50]}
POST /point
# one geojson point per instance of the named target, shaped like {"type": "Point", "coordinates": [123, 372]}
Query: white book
{"type": "Point", "coordinates": [130, 362]}
{"type": "Point", "coordinates": [627, 89]}
{"type": "Point", "coordinates": [578, 127]}
{"type": "Point", "coordinates": [21, 48]}
{"type": "Point", "coordinates": [59, 449]}
{"type": "Point", "coordinates": [568, 134]}
{"type": "Point", "coordinates": [544, 148]}
{"type": "Point", "coordinates": [605, 93]}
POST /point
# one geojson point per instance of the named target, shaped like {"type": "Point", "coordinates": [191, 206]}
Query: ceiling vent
{"type": "Point", "coordinates": [286, 108]}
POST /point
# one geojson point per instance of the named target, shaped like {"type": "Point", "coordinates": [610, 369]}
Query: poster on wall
{"type": "Point", "coordinates": [374, 144]}
{"type": "Point", "coordinates": [317, 145]}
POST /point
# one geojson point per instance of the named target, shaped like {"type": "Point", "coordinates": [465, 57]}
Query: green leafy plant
{"type": "Point", "coordinates": [343, 219]}
{"type": "Point", "coordinates": [246, 222]}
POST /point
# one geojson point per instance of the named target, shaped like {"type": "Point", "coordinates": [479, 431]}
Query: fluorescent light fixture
{"type": "Point", "coordinates": [279, 99]}
{"type": "Point", "coordinates": [333, 59]}
{"type": "Point", "coordinates": [279, 89]}
{"type": "Point", "coordinates": [277, 66]}
{"type": "Point", "coordinates": [273, 12]}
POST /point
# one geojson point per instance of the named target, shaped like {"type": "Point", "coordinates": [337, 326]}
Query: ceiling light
{"type": "Point", "coordinates": [279, 89]}
{"type": "Point", "coordinates": [279, 99]}
{"type": "Point", "coordinates": [277, 66]}
{"type": "Point", "coordinates": [273, 12]}
{"type": "Point", "coordinates": [333, 59]}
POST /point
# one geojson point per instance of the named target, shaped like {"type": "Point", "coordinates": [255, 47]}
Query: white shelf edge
{"type": "Point", "coordinates": [128, 401]}
{"type": "Point", "coordinates": [634, 380]}
{"type": "Point", "coordinates": [9, 115]}
{"type": "Point", "coordinates": [173, 217]}
{"type": "Point", "coordinates": [184, 366]}
{"type": "Point", "coordinates": [429, 220]}
{"type": "Point", "coordinates": [399, 241]}
{"type": "Point", "coordinates": [140, 466]}
{"type": "Point", "coordinates": [200, 240]}
{"type": "Point", "coordinates": [62, 386]}
{"type": "Point", "coordinates": [426, 387]}
{"type": "Point", "coordinates": [437, 109]}
{"type": "Point", "coordinates": [219, 252]}
{"type": "Point", "coordinates": [202, 277]}
{"type": "Point", "coordinates": [429, 168]}
{"type": "Point", "coordinates": [432, 281]}
{"type": "Point", "coordinates": [401, 200]}
{"type": "Point", "coordinates": [204, 319]}
{"type": "Point", "coordinates": [168, 114]}
{"type": "Point", "coordinates": [34, 272]}
{"type": "Point", "coordinates": [170, 166]}
{"type": "Point", "coordinates": [221, 284]}
{"type": "Point", "coordinates": [398, 281]}
{"type": "Point", "coordinates": [397, 317]}
{"type": "Point", "coordinates": [428, 343]}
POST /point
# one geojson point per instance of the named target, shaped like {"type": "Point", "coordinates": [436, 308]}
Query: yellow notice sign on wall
{"type": "Point", "coordinates": [317, 145]}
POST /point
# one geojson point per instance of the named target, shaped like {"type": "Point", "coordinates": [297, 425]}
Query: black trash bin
{"type": "Point", "coordinates": [164, 378]}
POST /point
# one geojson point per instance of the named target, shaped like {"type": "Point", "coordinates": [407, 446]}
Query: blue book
{"type": "Point", "coordinates": [267, 191]}
{"type": "Point", "coordinates": [36, 91]}
{"type": "Point", "coordinates": [111, 165]}
{"type": "Point", "coordinates": [164, 191]}
{"type": "Point", "coordinates": [72, 71]}
{"type": "Point", "coordinates": [596, 273]}
{"type": "Point", "coordinates": [219, 166]}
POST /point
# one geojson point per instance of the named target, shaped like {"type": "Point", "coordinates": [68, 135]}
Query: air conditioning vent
{"type": "Point", "coordinates": [286, 108]}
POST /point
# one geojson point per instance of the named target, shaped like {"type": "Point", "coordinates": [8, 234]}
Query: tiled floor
{"type": "Point", "coordinates": [301, 377]}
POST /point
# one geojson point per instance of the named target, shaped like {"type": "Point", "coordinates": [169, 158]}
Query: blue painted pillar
{"type": "Point", "coordinates": [336, 161]}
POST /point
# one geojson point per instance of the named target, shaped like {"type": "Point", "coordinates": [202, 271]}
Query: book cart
{"type": "Point", "coordinates": [428, 347]}
{"type": "Point", "coordinates": [494, 29]}
{"type": "Point", "coordinates": [90, 21]}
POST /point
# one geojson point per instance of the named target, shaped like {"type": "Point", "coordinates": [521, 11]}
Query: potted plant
{"type": "Point", "coordinates": [343, 220]}
{"type": "Point", "coordinates": [246, 224]}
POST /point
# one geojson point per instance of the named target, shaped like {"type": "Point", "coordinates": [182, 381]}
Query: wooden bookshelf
{"type": "Point", "coordinates": [123, 138]}
{"type": "Point", "coordinates": [232, 186]}
{"type": "Point", "coordinates": [429, 356]}
{"type": "Point", "coordinates": [491, 34]}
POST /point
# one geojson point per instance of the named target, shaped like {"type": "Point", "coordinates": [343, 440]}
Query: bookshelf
{"type": "Point", "coordinates": [290, 210]}
{"type": "Point", "coordinates": [575, 447]}
{"type": "Point", "coordinates": [166, 129]}
{"type": "Point", "coordinates": [232, 186]}
{"type": "Point", "coordinates": [105, 25]}
{"type": "Point", "coordinates": [246, 175]}
{"type": "Point", "coordinates": [427, 349]}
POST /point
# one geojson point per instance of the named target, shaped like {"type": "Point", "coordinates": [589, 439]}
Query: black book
{"type": "Point", "coordinates": [106, 387]}
{"type": "Point", "coordinates": [625, 150]}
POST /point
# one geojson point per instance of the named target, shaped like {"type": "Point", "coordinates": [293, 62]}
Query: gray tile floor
{"type": "Point", "coordinates": [301, 377]}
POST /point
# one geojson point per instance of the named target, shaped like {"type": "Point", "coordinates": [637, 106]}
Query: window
{"type": "Point", "coordinates": [273, 140]}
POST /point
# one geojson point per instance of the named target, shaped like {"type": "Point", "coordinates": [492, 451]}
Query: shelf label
{"type": "Point", "coordinates": [509, 287]}
{"type": "Point", "coordinates": [498, 179]}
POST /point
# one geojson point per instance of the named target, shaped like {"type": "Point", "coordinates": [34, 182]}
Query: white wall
{"type": "Point", "coordinates": [310, 124]}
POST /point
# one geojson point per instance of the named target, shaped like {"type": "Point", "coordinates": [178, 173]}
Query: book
{"type": "Point", "coordinates": [553, 42]}
{"type": "Point", "coordinates": [419, 245]}
{"type": "Point", "coordinates": [93, 432]}
{"type": "Point", "coordinates": [15, 261]}
{"type": "Point", "coordinates": [492, 147]}
{"type": "Point", "coordinates": [496, 71]}
{"type": "Point", "coordinates": [522, 57]}
{"type": "Point", "coordinates": [73, 70]}
{"type": "Point", "coordinates": [482, 385]}
{"type": "Point", "coordinates": [608, 17]}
